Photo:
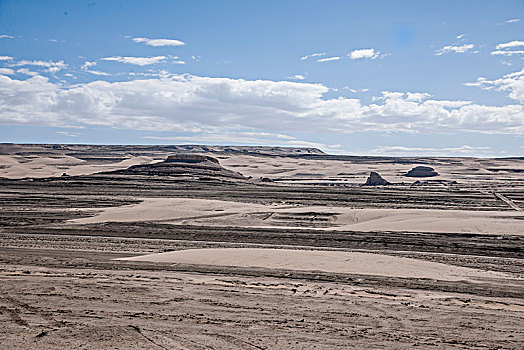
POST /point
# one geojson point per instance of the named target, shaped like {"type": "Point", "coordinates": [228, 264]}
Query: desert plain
{"type": "Point", "coordinates": [216, 247]}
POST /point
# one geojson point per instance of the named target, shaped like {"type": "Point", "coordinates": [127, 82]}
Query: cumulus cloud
{"type": "Point", "coordinates": [26, 72]}
{"type": "Point", "coordinates": [6, 71]}
{"type": "Point", "coordinates": [52, 67]}
{"type": "Point", "coordinates": [5, 58]}
{"type": "Point", "coordinates": [88, 64]}
{"type": "Point", "coordinates": [363, 53]}
{"type": "Point", "coordinates": [86, 68]}
{"type": "Point", "coordinates": [455, 49]}
{"type": "Point", "coordinates": [461, 36]}
{"type": "Point", "coordinates": [48, 64]}
{"type": "Point", "coordinates": [514, 43]}
{"type": "Point", "coordinates": [336, 58]}
{"type": "Point", "coordinates": [159, 42]}
{"type": "Point", "coordinates": [296, 77]}
{"type": "Point", "coordinates": [139, 61]}
{"type": "Point", "coordinates": [506, 49]}
{"type": "Point", "coordinates": [507, 52]}
{"type": "Point", "coordinates": [317, 54]}
{"type": "Point", "coordinates": [512, 83]}
{"type": "Point", "coordinates": [4, 36]}
{"type": "Point", "coordinates": [514, 20]}
{"type": "Point", "coordinates": [188, 103]}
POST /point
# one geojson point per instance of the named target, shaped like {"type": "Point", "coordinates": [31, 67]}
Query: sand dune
{"type": "Point", "coordinates": [200, 211]}
{"type": "Point", "coordinates": [327, 261]}
{"type": "Point", "coordinates": [14, 167]}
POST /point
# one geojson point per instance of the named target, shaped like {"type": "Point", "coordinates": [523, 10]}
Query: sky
{"type": "Point", "coordinates": [394, 78]}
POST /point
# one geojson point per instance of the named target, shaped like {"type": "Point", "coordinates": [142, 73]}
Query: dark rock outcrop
{"type": "Point", "coordinates": [422, 171]}
{"type": "Point", "coordinates": [190, 159]}
{"type": "Point", "coordinates": [375, 179]}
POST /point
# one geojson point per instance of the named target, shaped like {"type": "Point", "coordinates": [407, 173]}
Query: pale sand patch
{"type": "Point", "coordinates": [327, 261]}
{"type": "Point", "coordinates": [226, 213]}
{"type": "Point", "coordinates": [20, 167]}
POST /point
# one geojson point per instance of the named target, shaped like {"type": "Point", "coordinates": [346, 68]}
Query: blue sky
{"type": "Point", "coordinates": [355, 77]}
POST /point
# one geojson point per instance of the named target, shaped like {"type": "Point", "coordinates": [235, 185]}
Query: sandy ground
{"type": "Point", "coordinates": [327, 261]}
{"type": "Point", "coordinates": [70, 300]}
{"type": "Point", "coordinates": [116, 262]}
{"type": "Point", "coordinates": [335, 171]}
{"type": "Point", "coordinates": [15, 167]}
{"type": "Point", "coordinates": [215, 212]}
{"type": "Point", "coordinates": [485, 172]}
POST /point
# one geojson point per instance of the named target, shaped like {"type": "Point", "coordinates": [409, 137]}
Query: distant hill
{"type": "Point", "coordinates": [77, 150]}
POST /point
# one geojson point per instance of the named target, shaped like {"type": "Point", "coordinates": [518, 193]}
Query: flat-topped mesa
{"type": "Point", "coordinates": [190, 158]}
{"type": "Point", "coordinates": [183, 165]}
{"type": "Point", "coordinates": [422, 171]}
{"type": "Point", "coordinates": [375, 179]}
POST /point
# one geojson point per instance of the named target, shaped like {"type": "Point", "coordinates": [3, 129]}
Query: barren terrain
{"type": "Point", "coordinates": [281, 249]}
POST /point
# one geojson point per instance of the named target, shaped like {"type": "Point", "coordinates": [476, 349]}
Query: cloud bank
{"type": "Point", "coordinates": [188, 103]}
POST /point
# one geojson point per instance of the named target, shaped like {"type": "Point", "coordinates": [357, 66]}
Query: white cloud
{"type": "Point", "coordinates": [515, 20]}
{"type": "Point", "coordinates": [336, 58]}
{"type": "Point", "coordinates": [139, 61]}
{"type": "Point", "coordinates": [507, 52]}
{"type": "Point", "coordinates": [5, 58]}
{"type": "Point", "coordinates": [501, 49]}
{"type": "Point", "coordinates": [6, 71]}
{"type": "Point", "coordinates": [317, 54]}
{"type": "Point", "coordinates": [363, 53]}
{"type": "Point", "coordinates": [159, 42]}
{"type": "Point", "coordinates": [26, 72]}
{"type": "Point", "coordinates": [85, 67]}
{"type": "Point", "coordinates": [178, 62]}
{"type": "Point", "coordinates": [461, 36]}
{"type": "Point", "coordinates": [187, 103]}
{"type": "Point", "coordinates": [87, 64]}
{"type": "Point", "coordinates": [514, 43]}
{"type": "Point", "coordinates": [52, 67]}
{"type": "Point", "coordinates": [53, 70]}
{"type": "Point", "coordinates": [455, 49]}
{"type": "Point", "coordinates": [4, 36]}
{"type": "Point", "coordinates": [97, 72]}
{"type": "Point", "coordinates": [513, 82]}
{"type": "Point", "coordinates": [417, 96]}
{"type": "Point", "coordinates": [39, 63]}
{"type": "Point", "coordinates": [296, 77]}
